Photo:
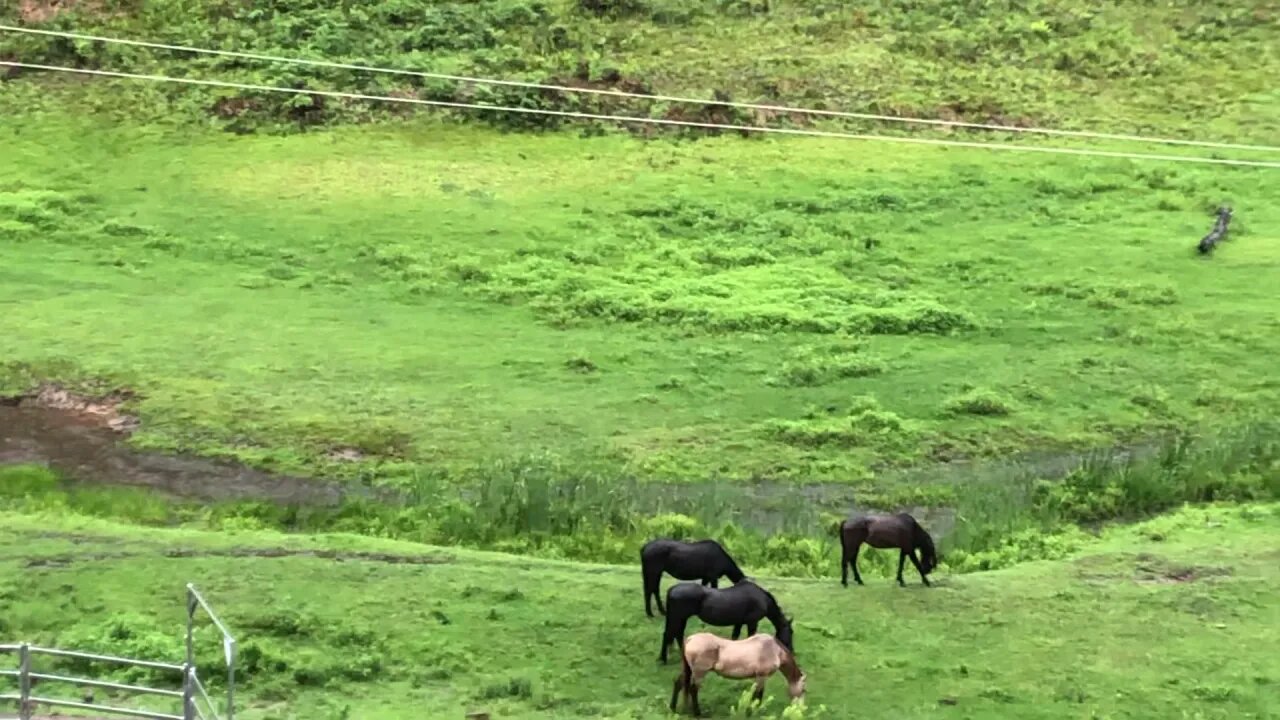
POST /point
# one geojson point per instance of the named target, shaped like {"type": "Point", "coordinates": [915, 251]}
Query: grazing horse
{"type": "Point", "coordinates": [755, 658]}
{"type": "Point", "coordinates": [899, 531]}
{"type": "Point", "coordinates": [743, 604]}
{"type": "Point", "coordinates": [704, 560]}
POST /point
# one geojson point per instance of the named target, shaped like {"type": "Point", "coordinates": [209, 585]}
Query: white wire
{"type": "Point", "coordinates": [644, 120]}
{"type": "Point", "coordinates": [664, 98]}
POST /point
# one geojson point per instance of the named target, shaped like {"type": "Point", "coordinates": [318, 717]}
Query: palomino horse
{"type": "Point", "coordinates": [899, 531]}
{"type": "Point", "coordinates": [746, 603]}
{"type": "Point", "coordinates": [755, 658]}
{"type": "Point", "coordinates": [703, 560]}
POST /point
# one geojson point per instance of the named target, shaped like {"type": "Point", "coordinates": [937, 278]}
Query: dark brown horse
{"type": "Point", "coordinates": [899, 531]}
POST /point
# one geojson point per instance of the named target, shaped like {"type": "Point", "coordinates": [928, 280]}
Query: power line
{"type": "Point", "coordinates": [663, 98]}
{"type": "Point", "coordinates": [636, 119]}
{"type": "Point", "coordinates": [643, 120]}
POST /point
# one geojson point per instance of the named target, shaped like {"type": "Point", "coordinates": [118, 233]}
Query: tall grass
{"type": "Point", "coordinates": [538, 505]}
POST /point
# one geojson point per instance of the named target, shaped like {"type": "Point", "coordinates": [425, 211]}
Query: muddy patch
{"type": "Point", "coordinates": [80, 439]}
{"type": "Point", "coordinates": [105, 411]}
{"type": "Point", "coordinates": [1155, 569]}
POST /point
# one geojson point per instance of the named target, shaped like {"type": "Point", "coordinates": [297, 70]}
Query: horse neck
{"type": "Point", "coordinates": [733, 572]}
{"type": "Point", "coordinates": [788, 667]}
{"type": "Point", "coordinates": [920, 538]}
{"type": "Point", "coordinates": [774, 613]}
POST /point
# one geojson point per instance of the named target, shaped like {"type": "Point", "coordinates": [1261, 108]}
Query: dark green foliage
{"type": "Point", "coordinates": [1028, 62]}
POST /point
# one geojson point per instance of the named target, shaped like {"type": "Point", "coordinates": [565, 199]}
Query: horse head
{"type": "Point", "coordinates": [796, 689]}
{"type": "Point", "coordinates": [929, 563]}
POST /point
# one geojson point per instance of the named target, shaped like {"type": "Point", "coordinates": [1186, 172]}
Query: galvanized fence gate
{"type": "Point", "coordinates": [195, 703]}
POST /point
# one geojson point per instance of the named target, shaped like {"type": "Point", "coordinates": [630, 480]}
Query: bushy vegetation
{"type": "Point", "coordinates": [1043, 62]}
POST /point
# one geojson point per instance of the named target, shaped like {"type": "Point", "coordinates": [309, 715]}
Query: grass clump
{"type": "Point", "coordinates": [809, 368]}
{"type": "Point", "coordinates": [978, 401]}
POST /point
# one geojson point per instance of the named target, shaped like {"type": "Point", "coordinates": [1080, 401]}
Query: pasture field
{"type": "Point", "coordinates": [1174, 617]}
{"type": "Point", "coordinates": [556, 341]}
{"type": "Point", "coordinates": [431, 296]}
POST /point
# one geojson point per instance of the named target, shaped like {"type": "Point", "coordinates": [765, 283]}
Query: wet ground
{"type": "Point", "coordinates": [86, 450]}
{"type": "Point", "coordinates": [83, 450]}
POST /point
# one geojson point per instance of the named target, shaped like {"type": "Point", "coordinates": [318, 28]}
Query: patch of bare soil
{"type": "Point", "coordinates": [1155, 569]}
{"type": "Point", "coordinates": [104, 411]}
{"type": "Point", "coordinates": [39, 11]}
{"type": "Point", "coordinates": [1144, 568]}
{"type": "Point", "coordinates": [80, 437]}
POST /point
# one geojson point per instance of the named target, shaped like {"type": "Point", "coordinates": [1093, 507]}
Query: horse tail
{"type": "Point", "coordinates": [924, 541]}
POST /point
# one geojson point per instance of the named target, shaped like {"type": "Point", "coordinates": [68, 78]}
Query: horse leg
{"type": "Point", "coordinates": [692, 694]}
{"type": "Point", "coordinates": [675, 691]}
{"type": "Point", "coordinates": [715, 583]}
{"type": "Point", "coordinates": [902, 561]}
{"type": "Point", "coordinates": [857, 577]}
{"type": "Point", "coordinates": [757, 697]}
{"type": "Point", "coordinates": [737, 630]}
{"type": "Point", "coordinates": [752, 627]}
{"type": "Point", "coordinates": [652, 586]}
{"type": "Point", "coordinates": [669, 634]}
{"type": "Point", "coordinates": [915, 561]}
{"type": "Point", "coordinates": [844, 567]}
{"type": "Point", "coordinates": [677, 637]}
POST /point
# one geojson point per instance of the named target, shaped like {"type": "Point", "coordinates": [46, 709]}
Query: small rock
{"type": "Point", "coordinates": [948, 701]}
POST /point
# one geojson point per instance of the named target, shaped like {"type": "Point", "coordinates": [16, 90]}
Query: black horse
{"type": "Point", "coordinates": [899, 531]}
{"type": "Point", "coordinates": [746, 603]}
{"type": "Point", "coordinates": [703, 560]}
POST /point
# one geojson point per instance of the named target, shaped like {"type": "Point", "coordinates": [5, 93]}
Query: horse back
{"type": "Point", "coordinates": [760, 654]}
{"type": "Point", "coordinates": [855, 529]}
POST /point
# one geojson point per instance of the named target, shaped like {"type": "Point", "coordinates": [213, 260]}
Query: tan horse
{"type": "Point", "coordinates": [755, 658]}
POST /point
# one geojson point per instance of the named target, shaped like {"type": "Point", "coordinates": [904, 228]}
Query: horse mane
{"type": "Point", "coordinates": [789, 667]}
{"type": "Point", "coordinates": [774, 610]}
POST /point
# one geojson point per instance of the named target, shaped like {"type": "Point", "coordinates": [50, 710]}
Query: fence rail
{"type": "Point", "coordinates": [27, 701]}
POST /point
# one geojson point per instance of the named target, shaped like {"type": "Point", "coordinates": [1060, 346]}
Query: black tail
{"type": "Point", "coordinates": [928, 553]}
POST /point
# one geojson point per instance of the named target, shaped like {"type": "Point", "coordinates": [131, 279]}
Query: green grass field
{"type": "Point", "coordinates": [445, 296]}
{"type": "Point", "coordinates": [1171, 618]}
{"type": "Point", "coordinates": [523, 322]}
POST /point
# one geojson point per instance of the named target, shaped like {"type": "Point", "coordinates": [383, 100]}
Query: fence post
{"type": "Point", "coordinates": [231, 679]}
{"type": "Point", "coordinates": [24, 682]}
{"type": "Point", "coordinates": [191, 619]}
{"type": "Point", "coordinates": [188, 693]}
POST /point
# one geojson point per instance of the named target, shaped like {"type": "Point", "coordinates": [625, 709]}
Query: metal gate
{"type": "Point", "coordinates": [192, 701]}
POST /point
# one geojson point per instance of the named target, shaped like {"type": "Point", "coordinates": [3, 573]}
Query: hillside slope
{"type": "Point", "coordinates": [433, 296]}
{"type": "Point", "coordinates": [1184, 68]}
{"type": "Point", "coordinates": [1176, 616]}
